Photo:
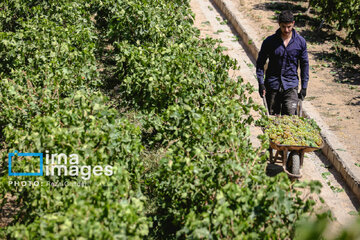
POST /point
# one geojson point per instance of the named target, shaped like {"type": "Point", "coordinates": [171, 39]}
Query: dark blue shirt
{"type": "Point", "coordinates": [283, 62]}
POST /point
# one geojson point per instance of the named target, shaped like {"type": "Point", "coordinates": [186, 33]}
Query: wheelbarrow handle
{"type": "Point", "coordinates": [300, 108]}
{"type": "Point", "coordinates": [265, 104]}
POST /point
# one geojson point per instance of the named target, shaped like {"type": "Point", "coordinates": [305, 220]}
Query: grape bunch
{"type": "Point", "coordinates": [294, 130]}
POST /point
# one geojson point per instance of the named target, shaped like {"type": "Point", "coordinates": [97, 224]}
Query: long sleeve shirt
{"type": "Point", "coordinates": [283, 62]}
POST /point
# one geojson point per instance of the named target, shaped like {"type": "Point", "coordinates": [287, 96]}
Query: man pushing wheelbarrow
{"type": "Point", "coordinates": [286, 50]}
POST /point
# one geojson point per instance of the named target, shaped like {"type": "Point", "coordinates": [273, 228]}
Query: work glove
{"type": "Point", "coordinates": [261, 90]}
{"type": "Point", "coordinates": [302, 94]}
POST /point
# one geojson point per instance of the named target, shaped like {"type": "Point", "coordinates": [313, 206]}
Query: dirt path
{"type": "Point", "coordinates": [335, 193]}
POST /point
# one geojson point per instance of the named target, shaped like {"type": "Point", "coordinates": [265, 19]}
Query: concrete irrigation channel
{"type": "Point", "coordinates": [341, 192]}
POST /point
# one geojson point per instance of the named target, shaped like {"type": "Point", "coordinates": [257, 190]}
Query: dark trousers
{"type": "Point", "coordinates": [282, 102]}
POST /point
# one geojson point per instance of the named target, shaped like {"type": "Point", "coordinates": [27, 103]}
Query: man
{"type": "Point", "coordinates": [285, 50]}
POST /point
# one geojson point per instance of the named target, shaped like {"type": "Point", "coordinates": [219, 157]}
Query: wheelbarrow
{"type": "Point", "coordinates": [293, 161]}
{"type": "Point", "coordinates": [291, 156]}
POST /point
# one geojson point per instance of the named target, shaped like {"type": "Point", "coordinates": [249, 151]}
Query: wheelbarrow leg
{"type": "Point", "coordinates": [284, 158]}
{"type": "Point", "coordinates": [271, 155]}
{"type": "Point", "coordinates": [302, 153]}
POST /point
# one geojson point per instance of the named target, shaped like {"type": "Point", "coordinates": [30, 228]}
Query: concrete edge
{"type": "Point", "coordinates": [331, 144]}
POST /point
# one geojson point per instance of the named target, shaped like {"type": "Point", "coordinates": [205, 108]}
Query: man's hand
{"type": "Point", "coordinates": [302, 94]}
{"type": "Point", "coordinates": [262, 90]}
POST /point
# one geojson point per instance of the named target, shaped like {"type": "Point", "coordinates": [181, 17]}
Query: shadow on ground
{"type": "Point", "coordinates": [273, 169]}
{"type": "Point", "coordinates": [345, 65]}
{"type": "Point", "coordinates": [354, 101]}
{"type": "Point", "coordinates": [280, 6]}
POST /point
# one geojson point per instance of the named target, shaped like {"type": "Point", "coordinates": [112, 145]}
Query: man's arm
{"type": "Point", "coordinates": [304, 67]}
{"type": "Point", "coordinates": [260, 63]}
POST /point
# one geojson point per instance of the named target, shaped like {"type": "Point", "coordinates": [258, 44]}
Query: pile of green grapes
{"type": "Point", "coordinates": [294, 130]}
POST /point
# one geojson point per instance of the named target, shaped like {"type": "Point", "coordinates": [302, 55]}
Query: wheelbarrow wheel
{"type": "Point", "coordinates": [294, 161]}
